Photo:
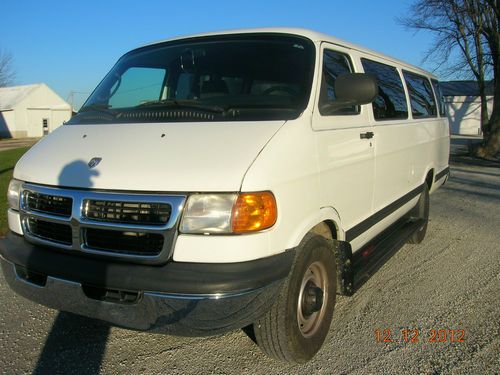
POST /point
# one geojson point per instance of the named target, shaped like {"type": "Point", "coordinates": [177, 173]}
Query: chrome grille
{"type": "Point", "coordinates": [142, 213]}
{"type": "Point", "coordinates": [49, 204]}
{"type": "Point", "coordinates": [136, 227]}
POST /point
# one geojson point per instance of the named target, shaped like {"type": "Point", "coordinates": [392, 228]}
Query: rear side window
{"type": "Point", "coordinates": [334, 64]}
{"type": "Point", "coordinates": [421, 97]}
{"type": "Point", "coordinates": [390, 104]}
{"type": "Point", "coordinates": [439, 97]}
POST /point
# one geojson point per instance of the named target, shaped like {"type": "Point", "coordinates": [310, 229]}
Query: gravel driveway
{"type": "Point", "coordinates": [449, 282]}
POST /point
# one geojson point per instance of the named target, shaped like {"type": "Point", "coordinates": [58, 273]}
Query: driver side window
{"type": "Point", "coordinates": [334, 64]}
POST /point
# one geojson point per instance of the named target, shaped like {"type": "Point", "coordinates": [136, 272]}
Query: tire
{"type": "Point", "coordinates": [421, 211]}
{"type": "Point", "coordinates": [278, 333]}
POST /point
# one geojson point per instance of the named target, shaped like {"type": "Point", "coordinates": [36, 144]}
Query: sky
{"type": "Point", "coordinates": [71, 45]}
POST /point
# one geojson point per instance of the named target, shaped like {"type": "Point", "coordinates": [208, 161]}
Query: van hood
{"type": "Point", "coordinates": [173, 157]}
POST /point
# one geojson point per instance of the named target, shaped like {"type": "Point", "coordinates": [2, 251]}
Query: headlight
{"type": "Point", "coordinates": [13, 193]}
{"type": "Point", "coordinates": [229, 213]}
{"type": "Point", "coordinates": [208, 213]}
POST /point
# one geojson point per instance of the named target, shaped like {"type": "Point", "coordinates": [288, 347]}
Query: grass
{"type": "Point", "coordinates": [8, 160]}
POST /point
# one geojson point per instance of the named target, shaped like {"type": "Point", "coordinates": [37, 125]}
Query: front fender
{"type": "Point", "coordinates": [309, 222]}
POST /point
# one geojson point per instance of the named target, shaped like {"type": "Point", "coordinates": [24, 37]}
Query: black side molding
{"type": "Point", "coordinates": [366, 224]}
{"type": "Point", "coordinates": [172, 277]}
{"type": "Point", "coordinates": [441, 174]}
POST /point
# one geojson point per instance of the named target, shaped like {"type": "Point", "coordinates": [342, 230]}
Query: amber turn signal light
{"type": "Point", "coordinates": [253, 212]}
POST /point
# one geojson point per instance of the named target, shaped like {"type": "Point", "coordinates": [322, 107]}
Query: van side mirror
{"type": "Point", "coordinates": [352, 89]}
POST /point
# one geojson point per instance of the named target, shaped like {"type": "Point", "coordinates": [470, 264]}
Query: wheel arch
{"type": "Point", "coordinates": [325, 222]}
{"type": "Point", "coordinates": [327, 225]}
{"type": "Point", "coordinates": [429, 178]}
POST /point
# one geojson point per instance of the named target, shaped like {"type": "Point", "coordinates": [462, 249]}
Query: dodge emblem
{"type": "Point", "coordinates": [93, 162]}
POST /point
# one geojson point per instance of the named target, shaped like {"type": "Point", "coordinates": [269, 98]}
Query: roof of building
{"type": "Point", "coordinates": [10, 96]}
{"type": "Point", "coordinates": [464, 88]}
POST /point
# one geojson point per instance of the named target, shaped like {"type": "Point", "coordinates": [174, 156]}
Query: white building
{"type": "Point", "coordinates": [31, 111]}
{"type": "Point", "coordinates": [463, 106]}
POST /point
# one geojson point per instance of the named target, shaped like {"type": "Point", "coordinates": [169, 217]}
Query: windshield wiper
{"type": "Point", "coordinates": [186, 104]}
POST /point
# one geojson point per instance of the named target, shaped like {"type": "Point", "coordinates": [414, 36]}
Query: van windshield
{"type": "Point", "coordinates": [219, 78]}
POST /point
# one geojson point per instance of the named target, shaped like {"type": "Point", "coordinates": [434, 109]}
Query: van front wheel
{"type": "Point", "coordinates": [296, 326]}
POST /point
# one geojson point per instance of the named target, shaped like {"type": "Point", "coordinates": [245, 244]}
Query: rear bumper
{"type": "Point", "coordinates": [190, 299]}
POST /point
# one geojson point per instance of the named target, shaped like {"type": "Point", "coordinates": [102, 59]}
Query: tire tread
{"type": "Point", "coordinates": [270, 331]}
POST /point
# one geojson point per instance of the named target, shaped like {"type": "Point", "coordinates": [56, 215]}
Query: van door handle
{"type": "Point", "coordinates": [366, 135]}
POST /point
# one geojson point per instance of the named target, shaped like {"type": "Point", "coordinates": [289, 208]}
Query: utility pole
{"type": "Point", "coordinates": [71, 97]}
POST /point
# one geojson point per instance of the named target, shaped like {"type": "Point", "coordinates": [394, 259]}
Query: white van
{"type": "Point", "coordinates": [229, 180]}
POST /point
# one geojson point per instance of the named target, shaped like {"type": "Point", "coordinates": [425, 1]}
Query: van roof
{"type": "Point", "coordinates": [314, 36]}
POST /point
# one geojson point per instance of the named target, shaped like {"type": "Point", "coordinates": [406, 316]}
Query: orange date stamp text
{"type": "Point", "coordinates": [416, 335]}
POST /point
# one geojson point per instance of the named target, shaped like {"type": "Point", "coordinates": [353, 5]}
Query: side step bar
{"type": "Point", "coordinates": [366, 261]}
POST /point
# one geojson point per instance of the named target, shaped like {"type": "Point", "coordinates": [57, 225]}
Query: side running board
{"type": "Point", "coordinates": [366, 261]}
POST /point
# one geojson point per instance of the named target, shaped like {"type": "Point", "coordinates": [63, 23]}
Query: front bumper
{"type": "Point", "coordinates": [189, 299]}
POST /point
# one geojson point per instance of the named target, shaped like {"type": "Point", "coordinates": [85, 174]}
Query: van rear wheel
{"type": "Point", "coordinates": [295, 327]}
{"type": "Point", "coordinates": [421, 212]}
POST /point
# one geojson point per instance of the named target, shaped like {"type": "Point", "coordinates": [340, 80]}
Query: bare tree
{"type": "Point", "coordinates": [6, 69]}
{"type": "Point", "coordinates": [491, 32]}
{"type": "Point", "coordinates": [466, 42]}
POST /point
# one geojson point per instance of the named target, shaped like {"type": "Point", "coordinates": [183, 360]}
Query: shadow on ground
{"type": "Point", "coordinates": [74, 345]}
